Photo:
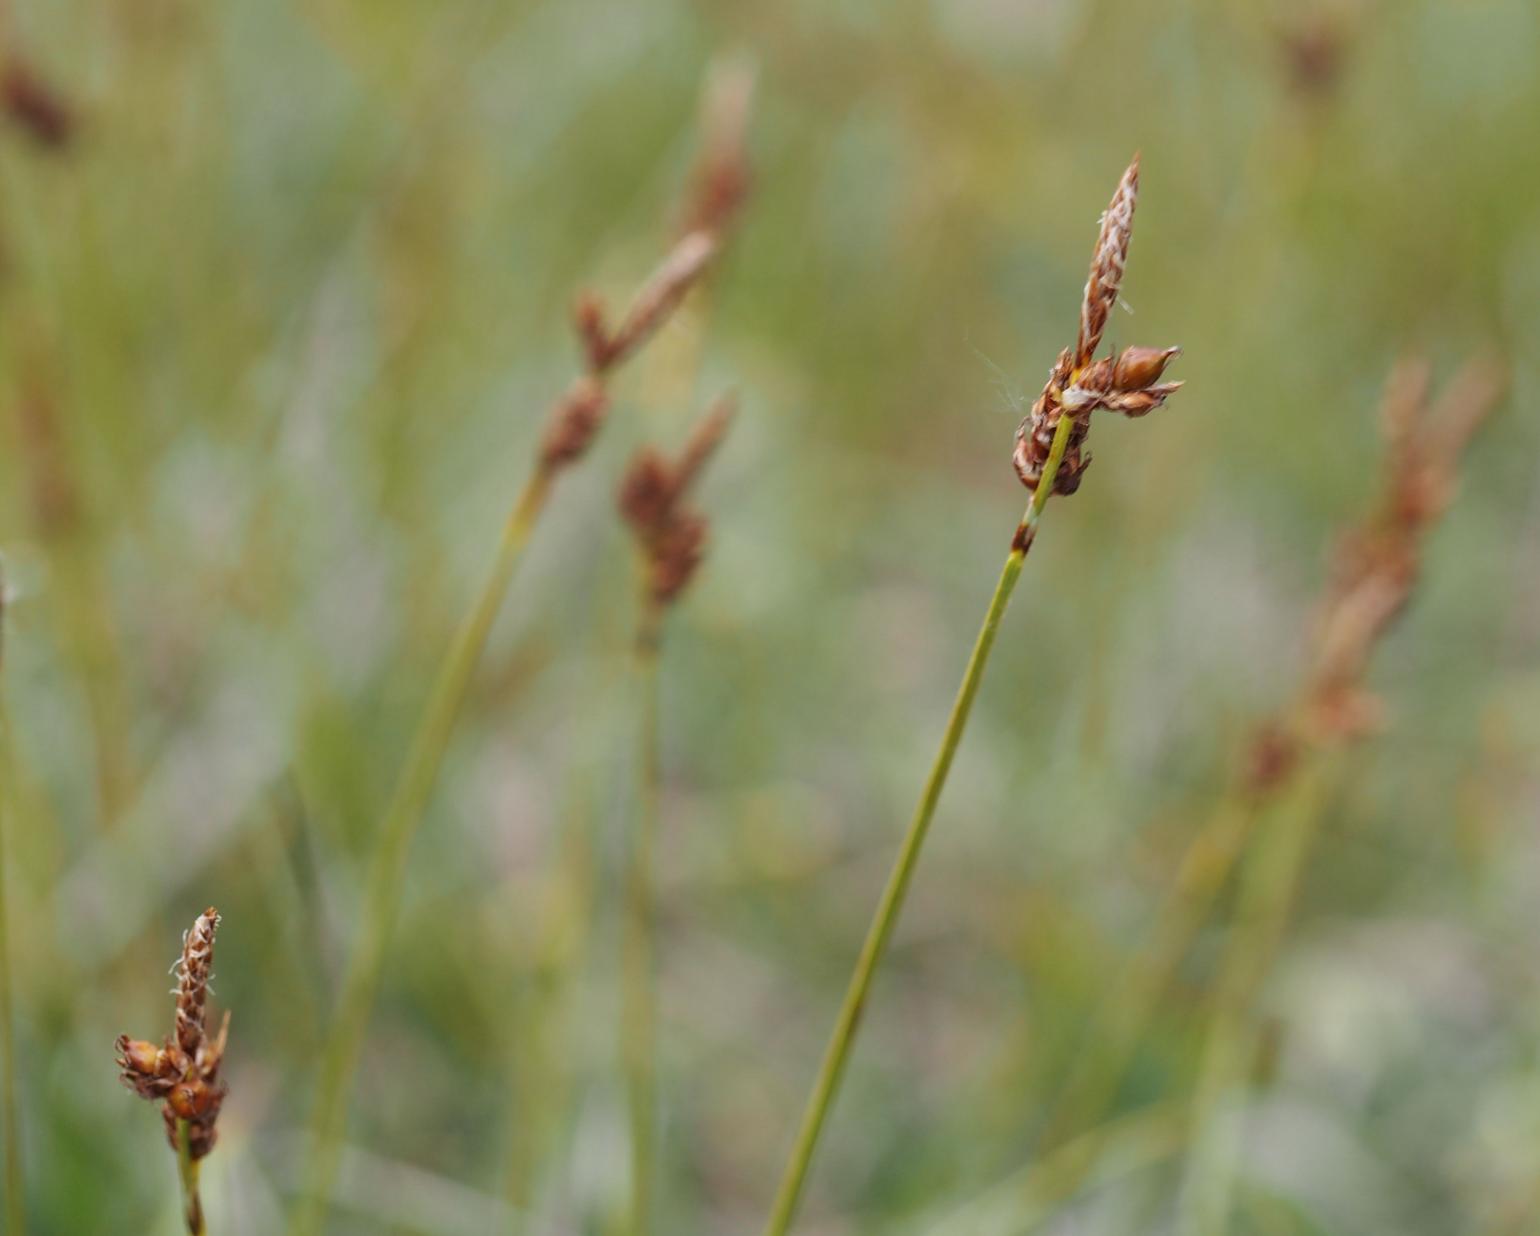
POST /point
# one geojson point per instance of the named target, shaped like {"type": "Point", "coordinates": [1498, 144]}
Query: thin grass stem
{"type": "Point", "coordinates": [387, 868]}
{"type": "Point", "coordinates": [1268, 883]}
{"type": "Point", "coordinates": [1095, 1076]}
{"type": "Point", "coordinates": [15, 1217]}
{"type": "Point", "coordinates": [639, 1017]}
{"type": "Point", "coordinates": [837, 1054]}
{"type": "Point", "coordinates": [187, 1172]}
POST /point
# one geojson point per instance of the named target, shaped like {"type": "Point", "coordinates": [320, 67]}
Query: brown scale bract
{"type": "Point", "coordinates": [1078, 384]}
{"type": "Point", "coordinates": [1376, 564]}
{"type": "Point", "coordinates": [182, 1072]}
{"type": "Point", "coordinates": [670, 533]}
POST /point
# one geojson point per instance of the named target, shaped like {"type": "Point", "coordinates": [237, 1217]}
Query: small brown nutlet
{"type": "Point", "coordinates": [1137, 368]}
{"type": "Point", "coordinates": [139, 1055]}
{"type": "Point", "coordinates": [189, 1100]}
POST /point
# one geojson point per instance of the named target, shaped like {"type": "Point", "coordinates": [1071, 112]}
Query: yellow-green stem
{"type": "Point", "coordinates": [1095, 1075]}
{"type": "Point", "coordinates": [639, 1019]}
{"type": "Point", "coordinates": [1268, 882]}
{"type": "Point", "coordinates": [387, 867]}
{"type": "Point", "coordinates": [187, 1171]}
{"type": "Point", "coordinates": [837, 1054]}
{"type": "Point", "coordinates": [1031, 1194]}
{"type": "Point", "coordinates": [15, 1220]}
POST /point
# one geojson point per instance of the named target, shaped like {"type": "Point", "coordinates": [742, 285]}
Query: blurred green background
{"type": "Point", "coordinates": [278, 327]}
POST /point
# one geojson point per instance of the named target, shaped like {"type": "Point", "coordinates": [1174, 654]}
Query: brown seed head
{"type": "Point", "coordinates": [1077, 384]}
{"type": "Point", "coordinates": [671, 535]}
{"type": "Point", "coordinates": [183, 1072]}
{"type": "Point", "coordinates": [1376, 564]}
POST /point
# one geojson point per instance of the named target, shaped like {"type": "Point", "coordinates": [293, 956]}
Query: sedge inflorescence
{"type": "Point", "coordinates": [1376, 564]}
{"type": "Point", "coordinates": [1079, 384]}
{"type": "Point", "coordinates": [182, 1071]}
{"type": "Point", "coordinates": [719, 184]}
{"type": "Point", "coordinates": [670, 533]}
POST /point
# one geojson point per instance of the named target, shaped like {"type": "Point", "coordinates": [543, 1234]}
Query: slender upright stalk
{"type": "Point", "coordinates": [388, 865]}
{"type": "Point", "coordinates": [1094, 1077]}
{"type": "Point", "coordinates": [1269, 880]}
{"type": "Point", "coordinates": [15, 1218]}
{"type": "Point", "coordinates": [639, 1018]}
{"type": "Point", "coordinates": [837, 1054]}
{"type": "Point", "coordinates": [187, 1171]}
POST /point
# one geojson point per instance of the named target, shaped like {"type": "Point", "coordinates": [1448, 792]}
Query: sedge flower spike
{"type": "Point", "coordinates": [182, 1072]}
{"type": "Point", "coordinates": [1078, 384]}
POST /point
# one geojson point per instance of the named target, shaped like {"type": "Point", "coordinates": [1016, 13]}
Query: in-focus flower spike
{"type": "Point", "coordinates": [183, 1071]}
{"type": "Point", "coordinates": [1078, 384]}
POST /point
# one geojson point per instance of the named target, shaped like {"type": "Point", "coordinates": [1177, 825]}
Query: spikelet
{"type": "Point", "coordinates": [717, 189]}
{"type": "Point", "coordinates": [1376, 564]}
{"type": "Point", "coordinates": [670, 533]}
{"type": "Point", "coordinates": [182, 1073]}
{"type": "Point", "coordinates": [1077, 384]}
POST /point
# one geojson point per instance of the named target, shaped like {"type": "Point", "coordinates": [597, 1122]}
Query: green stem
{"type": "Point", "coordinates": [639, 1018]}
{"type": "Point", "coordinates": [15, 1218]}
{"type": "Point", "coordinates": [1268, 883]}
{"type": "Point", "coordinates": [187, 1170]}
{"type": "Point", "coordinates": [387, 868]}
{"type": "Point", "coordinates": [837, 1054]}
{"type": "Point", "coordinates": [1095, 1075]}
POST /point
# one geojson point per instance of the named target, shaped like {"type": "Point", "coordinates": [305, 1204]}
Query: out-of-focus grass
{"type": "Point", "coordinates": [297, 295]}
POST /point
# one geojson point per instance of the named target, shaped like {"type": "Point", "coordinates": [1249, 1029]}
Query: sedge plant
{"type": "Point", "coordinates": [1050, 458]}
{"type": "Point", "coordinates": [577, 416]}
